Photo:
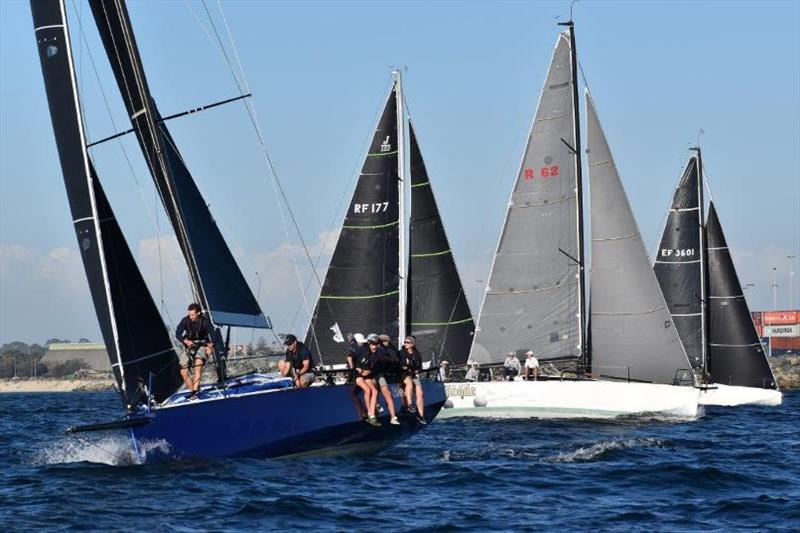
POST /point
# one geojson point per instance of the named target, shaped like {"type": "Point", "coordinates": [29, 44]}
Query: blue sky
{"type": "Point", "coordinates": [659, 72]}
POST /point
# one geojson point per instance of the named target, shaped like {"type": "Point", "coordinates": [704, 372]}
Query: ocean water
{"type": "Point", "coordinates": [734, 468]}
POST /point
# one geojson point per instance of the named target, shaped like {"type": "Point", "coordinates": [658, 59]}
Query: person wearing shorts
{"type": "Point", "coordinates": [297, 364]}
{"type": "Point", "coordinates": [385, 374]}
{"type": "Point", "coordinates": [194, 333]}
{"type": "Point", "coordinates": [410, 366]}
{"type": "Point", "coordinates": [365, 377]}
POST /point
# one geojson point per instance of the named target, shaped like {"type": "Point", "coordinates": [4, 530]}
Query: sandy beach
{"type": "Point", "coordinates": [54, 385]}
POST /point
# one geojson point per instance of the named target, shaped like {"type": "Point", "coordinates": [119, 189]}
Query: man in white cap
{"type": "Point", "coordinates": [472, 373]}
{"type": "Point", "coordinates": [511, 366]}
{"type": "Point", "coordinates": [531, 365]}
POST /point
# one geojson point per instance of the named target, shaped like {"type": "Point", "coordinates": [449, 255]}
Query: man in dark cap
{"type": "Point", "coordinates": [297, 363]}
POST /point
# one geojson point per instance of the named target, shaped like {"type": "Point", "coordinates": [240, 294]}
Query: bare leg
{"type": "Point", "coordinates": [408, 385]}
{"type": "Point", "coordinates": [387, 395]}
{"type": "Point", "coordinates": [198, 372]}
{"type": "Point", "coordinates": [373, 399]}
{"type": "Point", "coordinates": [367, 394]}
{"type": "Point", "coordinates": [185, 377]}
{"type": "Point", "coordinates": [536, 374]}
{"type": "Point", "coordinates": [420, 402]}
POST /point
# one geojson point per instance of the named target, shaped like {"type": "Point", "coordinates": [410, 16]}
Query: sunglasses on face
{"type": "Point", "coordinates": [407, 342]}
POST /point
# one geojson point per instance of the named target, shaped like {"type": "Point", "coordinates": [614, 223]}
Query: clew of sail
{"type": "Point", "coordinates": [121, 299]}
{"type": "Point", "coordinates": [632, 332]}
{"type": "Point", "coordinates": [438, 313]}
{"type": "Point", "coordinates": [361, 290]}
{"type": "Point", "coordinates": [678, 264]}
{"type": "Point", "coordinates": [216, 277]}
{"type": "Point", "coordinates": [735, 354]}
{"type": "Point", "coordinates": [532, 300]}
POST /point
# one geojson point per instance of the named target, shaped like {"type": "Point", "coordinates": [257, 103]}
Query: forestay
{"type": "Point", "coordinates": [736, 356]}
{"type": "Point", "coordinates": [121, 299]}
{"type": "Point", "coordinates": [215, 275]}
{"type": "Point", "coordinates": [532, 298]}
{"type": "Point", "coordinates": [632, 333]}
{"type": "Point", "coordinates": [360, 293]}
{"type": "Point", "coordinates": [678, 264]}
{"type": "Point", "coordinates": [438, 314]}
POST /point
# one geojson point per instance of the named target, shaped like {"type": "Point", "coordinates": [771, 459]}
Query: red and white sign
{"type": "Point", "coordinates": [782, 331]}
{"type": "Point", "coordinates": [774, 318]}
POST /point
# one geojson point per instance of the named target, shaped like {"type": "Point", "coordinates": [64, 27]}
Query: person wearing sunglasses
{"type": "Point", "coordinates": [411, 365]}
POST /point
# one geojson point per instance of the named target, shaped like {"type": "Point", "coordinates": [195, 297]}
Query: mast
{"type": "Point", "coordinates": [585, 349]}
{"type": "Point", "coordinates": [703, 262]}
{"type": "Point", "coordinates": [401, 163]}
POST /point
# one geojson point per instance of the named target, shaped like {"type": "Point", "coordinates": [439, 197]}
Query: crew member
{"type": "Point", "coordinates": [194, 333]}
{"type": "Point", "coordinates": [531, 366]}
{"type": "Point", "coordinates": [297, 363]}
{"type": "Point", "coordinates": [511, 366]}
{"type": "Point", "coordinates": [472, 373]}
{"type": "Point", "coordinates": [386, 372]}
{"type": "Point", "coordinates": [365, 377]}
{"type": "Point", "coordinates": [410, 366]}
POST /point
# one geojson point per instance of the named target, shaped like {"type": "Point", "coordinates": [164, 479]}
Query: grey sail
{"type": "Point", "coordinates": [632, 332]}
{"type": "Point", "coordinates": [532, 298]}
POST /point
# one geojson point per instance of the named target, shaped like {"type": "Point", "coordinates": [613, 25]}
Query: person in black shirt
{"type": "Point", "coordinates": [365, 376]}
{"type": "Point", "coordinates": [386, 373]}
{"type": "Point", "coordinates": [297, 363]}
{"type": "Point", "coordinates": [194, 333]}
{"type": "Point", "coordinates": [351, 355]}
{"type": "Point", "coordinates": [410, 366]}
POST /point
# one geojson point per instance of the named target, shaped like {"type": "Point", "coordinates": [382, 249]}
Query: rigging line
{"type": "Point", "coordinates": [277, 186]}
{"type": "Point", "coordinates": [132, 172]}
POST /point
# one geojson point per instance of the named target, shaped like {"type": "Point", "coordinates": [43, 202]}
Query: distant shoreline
{"type": "Point", "coordinates": [54, 385]}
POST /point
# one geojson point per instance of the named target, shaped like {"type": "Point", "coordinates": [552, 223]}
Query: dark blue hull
{"type": "Point", "coordinates": [314, 421]}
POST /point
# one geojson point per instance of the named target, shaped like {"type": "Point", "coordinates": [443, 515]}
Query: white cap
{"type": "Point", "coordinates": [359, 338]}
{"type": "Point", "coordinates": [529, 352]}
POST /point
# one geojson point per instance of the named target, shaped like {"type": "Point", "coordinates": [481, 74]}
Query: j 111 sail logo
{"type": "Point", "coordinates": [669, 252]}
{"type": "Point", "coordinates": [386, 146]}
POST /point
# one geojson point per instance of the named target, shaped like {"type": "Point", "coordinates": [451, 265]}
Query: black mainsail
{"type": "Point", "coordinates": [361, 290]}
{"type": "Point", "coordinates": [632, 334]}
{"type": "Point", "coordinates": [735, 354]}
{"type": "Point", "coordinates": [438, 313]}
{"type": "Point", "coordinates": [217, 280]}
{"type": "Point", "coordinates": [678, 264]}
{"type": "Point", "coordinates": [121, 299]}
{"type": "Point", "coordinates": [533, 300]}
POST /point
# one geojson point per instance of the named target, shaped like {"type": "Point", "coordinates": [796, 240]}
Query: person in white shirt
{"type": "Point", "coordinates": [531, 364]}
{"type": "Point", "coordinates": [511, 366]}
{"type": "Point", "coordinates": [472, 373]}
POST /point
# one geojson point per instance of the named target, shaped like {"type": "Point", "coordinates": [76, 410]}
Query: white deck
{"type": "Point", "coordinates": [727, 395]}
{"type": "Point", "coordinates": [568, 399]}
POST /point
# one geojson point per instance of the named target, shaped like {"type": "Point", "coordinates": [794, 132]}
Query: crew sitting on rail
{"type": "Point", "coordinates": [351, 356]}
{"type": "Point", "coordinates": [386, 372]}
{"type": "Point", "coordinates": [472, 373]}
{"type": "Point", "coordinates": [365, 376]}
{"type": "Point", "coordinates": [511, 366]}
{"type": "Point", "coordinates": [531, 366]}
{"type": "Point", "coordinates": [194, 333]}
{"type": "Point", "coordinates": [410, 366]}
{"type": "Point", "coordinates": [297, 363]}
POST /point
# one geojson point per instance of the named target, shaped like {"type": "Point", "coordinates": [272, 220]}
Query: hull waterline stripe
{"type": "Point", "coordinates": [368, 297]}
{"type": "Point", "coordinates": [379, 226]}
{"type": "Point", "coordinates": [432, 254]}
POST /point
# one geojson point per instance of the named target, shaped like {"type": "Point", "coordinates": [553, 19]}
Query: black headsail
{"type": "Point", "coordinates": [438, 314]}
{"type": "Point", "coordinates": [735, 354]}
{"type": "Point", "coordinates": [216, 277]}
{"type": "Point", "coordinates": [138, 344]}
{"type": "Point", "coordinates": [361, 290]}
{"type": "Point", "coordinates": [678, 264]}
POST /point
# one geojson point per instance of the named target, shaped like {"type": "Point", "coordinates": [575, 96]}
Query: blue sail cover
{"type": "Point", "coordinates": [215, 274]}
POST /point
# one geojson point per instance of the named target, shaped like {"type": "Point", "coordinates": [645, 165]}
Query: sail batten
{"type": "Point", "coordinates": [631, 330]}
{"type": "Point", "coordinates": [216, 277]}
{"type": "Point", "coordinates": [539, 235]}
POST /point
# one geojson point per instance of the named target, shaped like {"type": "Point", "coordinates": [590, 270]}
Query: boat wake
{"type": "Point", "coordinates": [602, 448]}
{"type": "Point", "coordinates": [108, 450]}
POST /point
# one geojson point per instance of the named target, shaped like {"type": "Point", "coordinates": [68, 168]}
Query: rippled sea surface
{"type": "Point", "coordinates": [734, 468]}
